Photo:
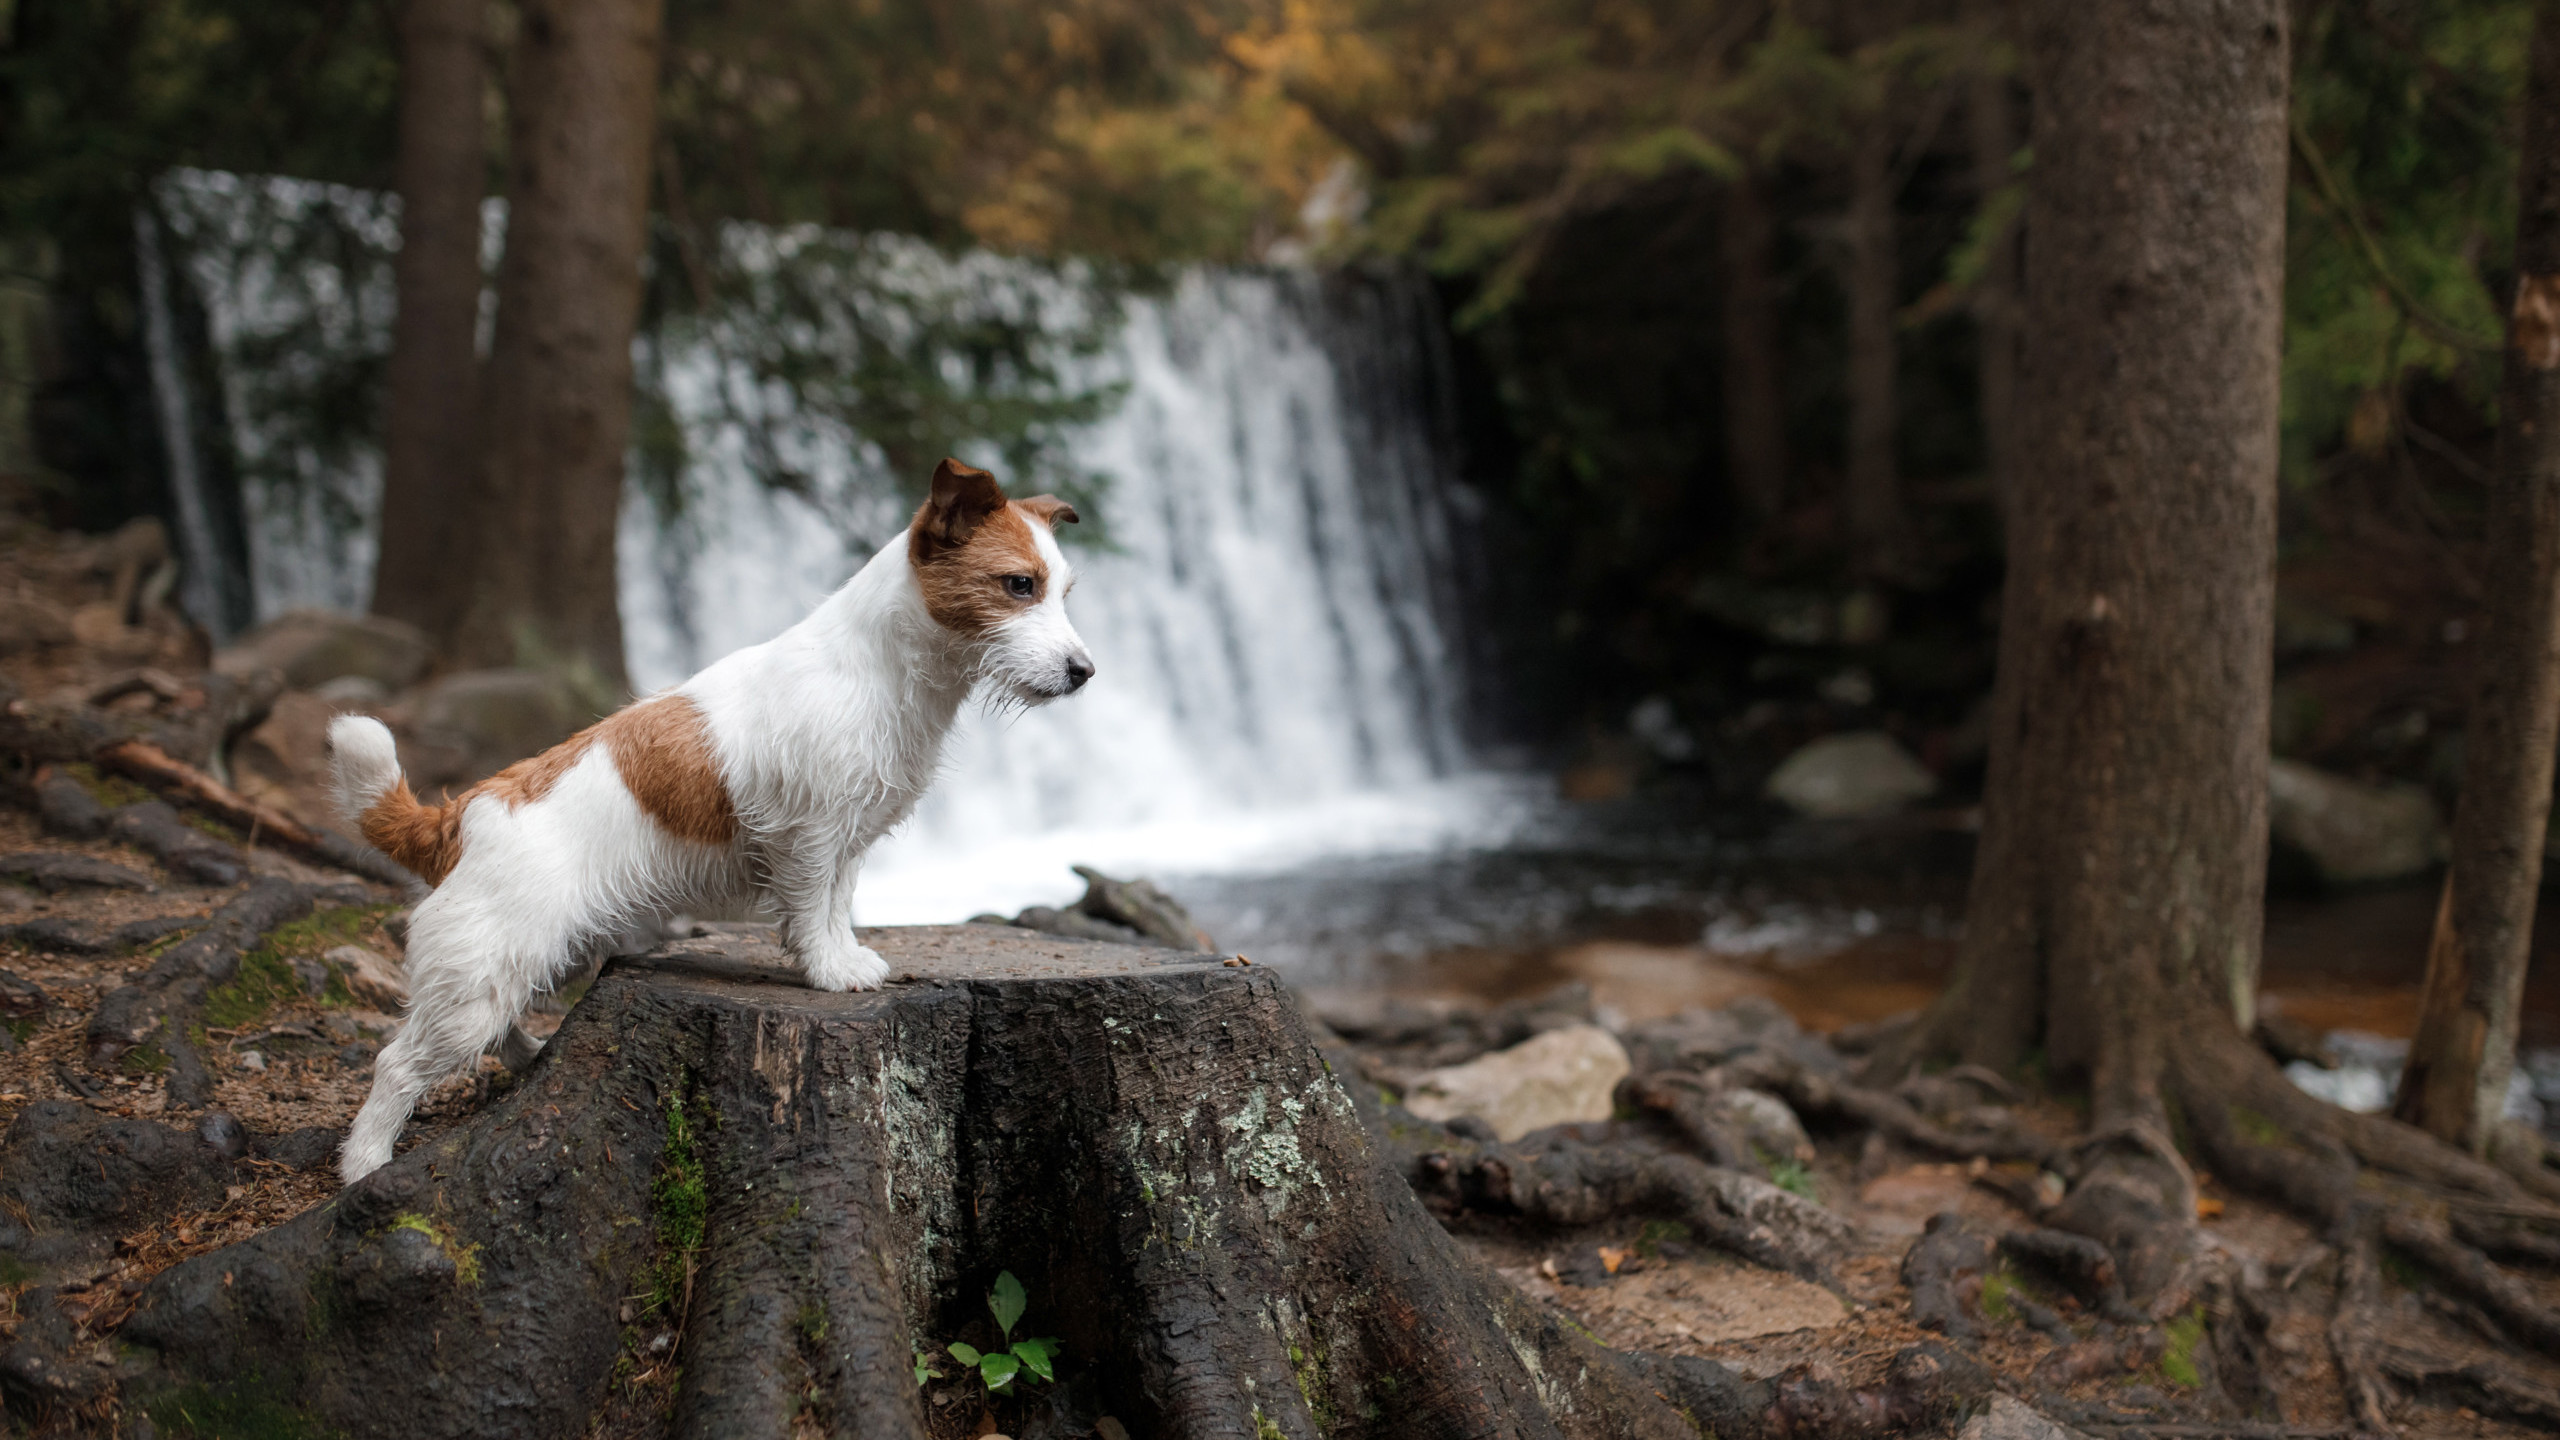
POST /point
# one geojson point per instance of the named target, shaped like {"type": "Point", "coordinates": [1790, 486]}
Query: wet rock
{"type": "Point", "coordinates": [309, 648]}
{"type": "Point", "coordinates": [1126, 912]}
{"type": "Point", "coordinates": [372, 979]}
{"type": "Point", "coordinates": [2346, 832]}
{"type": "Point", "coordinates": [53, 872]}
{"type": "Point", "coordinates": [481, 721]}
{"type": "Point", "coordinates": [1557, 1078]}
{"type": "Point", "coordinates": [1843, 776]}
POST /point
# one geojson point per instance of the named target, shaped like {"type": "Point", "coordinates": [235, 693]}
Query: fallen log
{"type": "Point", "coordinates": [795, 1198]}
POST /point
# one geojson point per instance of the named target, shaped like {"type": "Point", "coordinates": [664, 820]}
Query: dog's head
{"type": "Point", "coordinates": [992, 574]}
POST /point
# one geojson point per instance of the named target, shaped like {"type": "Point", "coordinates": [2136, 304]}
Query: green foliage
{"type": "Point", "coordinates": [998, 1369]}
{"type": "Point", "coordinates": [1650, 1239]}
{"type": "Point", "coordinates": [1792, 1176]}
{"type": "Point", "coordinates": [681, 1196]}
{"type": "Point", "coordinates": [903, 352]}
{"type": "Point", "coordinates": [465, 1257]}
{"type": "Point", "coordinates": [2402, 212]}
{"type": "Point", "coordinates": [146, 1058]}
{"type": "Point", "coordinates": [265, 981]}
{"type": "Point", "coordinates": [2178, 1362]}
{"type": "Point", "coordinates": [253, 992]}
{"type": "Point", "coordinates": [111, 791]}
{"type": "Point", "coordinates": [1996, 1287]}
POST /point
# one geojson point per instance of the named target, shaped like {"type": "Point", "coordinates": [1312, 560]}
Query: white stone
{"type": "Point", "coordinates": [374, 980]}
{"type": "Point", "coordinates": [1557, 1078]}
{"type": "Point", "coordinates": [2354, 833]}
{"type": "Point", "coordinates": [2010, 1419]}
{"type": "Point", "coordinates": [1837, 777]}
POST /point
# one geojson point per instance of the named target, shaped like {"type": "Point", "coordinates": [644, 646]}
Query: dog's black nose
{"type": "Point", "coordinates": [1079, 670]}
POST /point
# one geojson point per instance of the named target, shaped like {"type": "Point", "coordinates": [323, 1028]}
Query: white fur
{"type": "Point", "coordinates": [826, 736]}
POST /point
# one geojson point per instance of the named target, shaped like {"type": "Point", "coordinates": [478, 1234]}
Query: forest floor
{"type": "Point", "coordinates": [291, 1067]}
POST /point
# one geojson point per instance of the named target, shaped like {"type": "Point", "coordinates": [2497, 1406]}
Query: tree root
{"type": "Point", "coordinates": [1925, 1387]}
{"type": "Point", "coordinates": [1563, 1182]}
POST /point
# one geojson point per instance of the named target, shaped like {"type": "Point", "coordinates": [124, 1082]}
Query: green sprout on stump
{"type": "Point", "coordinates": [997, 1369]}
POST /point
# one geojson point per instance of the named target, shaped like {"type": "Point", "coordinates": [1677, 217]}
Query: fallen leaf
{"type": "Point", "coordinates": [1611, 1259]}
{"type": "Point", "coordinates": [2208, 1208]}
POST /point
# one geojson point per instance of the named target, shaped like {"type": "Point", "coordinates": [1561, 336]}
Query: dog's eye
{"type": "Point", "coordinates": [1019, 586]}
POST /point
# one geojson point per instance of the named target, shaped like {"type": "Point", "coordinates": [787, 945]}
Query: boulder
{"type": "Point", "coordinates": [1841, 776]}
{"type": "Point", "coordinates": [466, 726]}
{"type": "Point", "coordinates": [374, 980]}
{"type": "Point", "coordinates": [2011, 1419]}
{"type": "Point", "coordinates": [284, 760]}
{"type": "Point", "coordinates": [1763, 1120]}
{"type": "Point", "coordinates": [310, 648]}
{"type": "Point", "coordinates": [1557, 1078]}
{"type": "Point", "coordinates": [2349, 832]}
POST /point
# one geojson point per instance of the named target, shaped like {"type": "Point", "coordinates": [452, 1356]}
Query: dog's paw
{"type": "Point", "coordinates": [846, 967]}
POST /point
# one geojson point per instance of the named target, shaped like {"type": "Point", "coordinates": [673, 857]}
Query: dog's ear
{"type": "Point", "coordinates": [1049, 510]}
{"type": "Point", "coordinates": [963, 497]}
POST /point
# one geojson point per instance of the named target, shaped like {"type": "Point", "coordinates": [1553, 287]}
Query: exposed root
{"type": "Point", "coordinates": [2506, 1299]}
{"type": "Point", "coordinates": [1926, 1386]}
{"type": "Point", "coordinates": [1561, 1182]}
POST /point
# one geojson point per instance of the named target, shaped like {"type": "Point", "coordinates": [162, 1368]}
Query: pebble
{"type": "Point", "coordinates": [252, 1060]}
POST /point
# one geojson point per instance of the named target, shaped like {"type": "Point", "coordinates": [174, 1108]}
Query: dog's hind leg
{"type": "Point", "coordinates": [455, 1011]}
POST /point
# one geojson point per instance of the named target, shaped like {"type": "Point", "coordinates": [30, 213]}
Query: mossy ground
{"type": "Point", "coordinates": [265, 979]}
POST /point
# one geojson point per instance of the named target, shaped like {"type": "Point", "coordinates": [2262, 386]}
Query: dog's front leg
{"type": "Point", "coordinates": [812, 887]}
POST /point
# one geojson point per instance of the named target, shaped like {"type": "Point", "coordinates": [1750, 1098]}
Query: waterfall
{"type": "Point", "coordinates": [1268, 587]}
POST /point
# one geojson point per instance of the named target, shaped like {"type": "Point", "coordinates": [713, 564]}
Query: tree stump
{"type": "Point", "coordinates": [1148, 1139]}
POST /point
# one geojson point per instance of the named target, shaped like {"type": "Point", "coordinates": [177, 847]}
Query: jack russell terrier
{"type": "Point", "coordinates": [769, 773]}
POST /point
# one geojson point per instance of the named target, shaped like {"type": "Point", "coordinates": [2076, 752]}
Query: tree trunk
{"type": "Point", "coordinates": [2117, 896]}
{"type": "Point", "coordinates": [1755, 419]}
{"type": "Point", "coordinates": [428, 452]}
{"type": "Point", "coordinates": [2456, 1081]}
{"type": "Point", "coordinates": [819, 1188]}
{"type": "Point", "coordinates": [1993, 122]}
{"type": "Point", "coordinates": [1874, 494]}
{"type": "Point", "coordinates": [556, 397]}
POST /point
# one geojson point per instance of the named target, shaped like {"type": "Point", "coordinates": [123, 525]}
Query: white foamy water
{"type": "Point", "coordinates": [1270, 608]}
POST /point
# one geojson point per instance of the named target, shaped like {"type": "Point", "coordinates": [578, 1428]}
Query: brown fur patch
{"type": "Point", "coordinates": [964, 584]}
{"type": "Point", "coordinates": [425, 838]}
{"type": "Point", "coordinates": [661, 748]}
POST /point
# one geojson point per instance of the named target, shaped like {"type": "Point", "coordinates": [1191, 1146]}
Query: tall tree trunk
{"type": "Point", "coordinates": [2456, 1081]}
{"type": "Point", "coordinates": [556, 411]}
{"type": "Point", "coordinates": [1755, 421]}
{"type": "Point", "coordinates": [1993, 123]}
{"type": "Point", "coordinates": [1874, 497]}
{"type": "Point", "coordinates": [428, 450]}
{"type": "Point", "coordinates": [2118, 892]}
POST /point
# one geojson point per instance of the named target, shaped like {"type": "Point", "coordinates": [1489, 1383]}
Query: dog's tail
{"type": "Point", "coordinates": [364, 776]}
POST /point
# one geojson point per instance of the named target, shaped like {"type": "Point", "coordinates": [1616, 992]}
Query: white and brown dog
{"type": "Point", "coordinates": [769, 773]}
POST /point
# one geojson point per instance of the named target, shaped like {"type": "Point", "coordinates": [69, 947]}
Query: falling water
{"type": "Point", "coordinates": [1270, 598]}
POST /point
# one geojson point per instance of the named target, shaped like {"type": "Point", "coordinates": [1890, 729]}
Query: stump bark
{"type": "Point", "coordinates": [1148, 1139]}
